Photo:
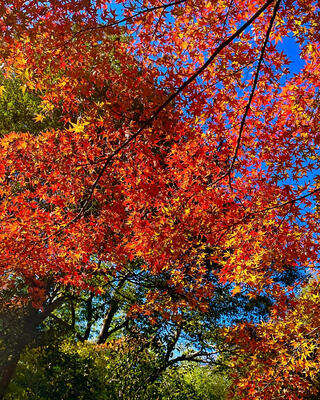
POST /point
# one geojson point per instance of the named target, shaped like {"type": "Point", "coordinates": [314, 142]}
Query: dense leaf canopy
{"type": "Point", "coordinates": [175, 135]}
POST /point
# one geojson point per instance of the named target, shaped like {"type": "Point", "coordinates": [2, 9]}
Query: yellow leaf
{"type": "Point", "coordinates": [236, 290]}
{"type": "Point", "coordinates": [39, 117]}
{"type": "Point", "coordinates": [78, 127]}
{"type": "Point", "coordinates": [22, 145]}
{"type": "Point", "coordinates": [2, 90]}
{"type": "Point", "coordinates": [23, 88]}
{"type": "Point", "coordinates": [184, 45]}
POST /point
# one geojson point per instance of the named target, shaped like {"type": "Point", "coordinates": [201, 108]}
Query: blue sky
{"type": "Point", "coordinates": [291, 48]}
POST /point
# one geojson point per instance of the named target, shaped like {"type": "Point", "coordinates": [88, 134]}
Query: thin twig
{"type": "Point", "coordinates": [149, 121]}
{"type": "Point", "coordinates": [254, 86]}
{"type": "Point", "coordinates": [146, 10]}
{"type": "Point", "coordinates": [250, 214]}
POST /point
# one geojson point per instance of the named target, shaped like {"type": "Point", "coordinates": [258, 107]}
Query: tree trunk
{"type": "Point", "coordinates": [19, 329]}
{"type": "Point", "coordinates": [104, 332]}
{"type": "Point", "coordinates": [7, 373]}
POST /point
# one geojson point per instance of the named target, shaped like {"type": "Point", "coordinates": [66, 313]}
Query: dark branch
{"type": "Point", "coordinates": [89, 316]}
{"type": "Point", "coordinates": [254, 86]}
{"type": "Point", "coordinates": [251, 214]}
{"type": "Point", "coordinates": [149, 121]}
{"type": "Point", "coordinates": [124, 324]}
{"type": "Point", "coordinates": [60, 321]}
{"type": "Point", "coordinates": [50, 308]}
{"type": "Point", "coordinates": [145, 11]}
{"type": "Point", "coordinates": [172, 345]}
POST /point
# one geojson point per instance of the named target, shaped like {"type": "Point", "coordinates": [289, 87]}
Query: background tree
{"type": "Point", "coordinates": [218, 157]}
{"type": "Point", "coordinates": [146, 350]}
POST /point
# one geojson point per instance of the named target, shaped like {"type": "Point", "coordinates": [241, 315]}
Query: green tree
{"type": "Point", "coordinates": [19, 108]}
{"type": "Point", "coordinates": [119, 370]}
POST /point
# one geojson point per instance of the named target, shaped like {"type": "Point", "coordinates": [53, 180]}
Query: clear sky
{"type": "Point", "coordinates": [291, 48]}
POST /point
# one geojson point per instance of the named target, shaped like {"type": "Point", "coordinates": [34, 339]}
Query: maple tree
{"type": "Point", "coordinates": [107, 318]}
{"type": "Point", "coordinates": [171, 133]}
{"type": "Point", "coordinates": [283, 350]}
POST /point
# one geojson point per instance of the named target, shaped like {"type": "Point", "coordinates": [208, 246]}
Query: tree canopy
{"type": "Point", "coordinates": [167, 151]}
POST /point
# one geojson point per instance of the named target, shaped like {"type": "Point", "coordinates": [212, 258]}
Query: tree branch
{"type": "Point", "coordinates": [89, 316]}
{"type": "Point", "coordinates": [145, 11]}
{"type": "Point", "coordinates": [149, 121]}
{"type": "Point", "coordinates": [50, 308]}
{"type": "Point", "coordinates": [117, 328]}
{"type": "Point", "coordinates": [254, 86]}
{"type": "Point", "coordinates": [112, 310]}
{"type": "Point", "coordinates": [172, 344]}
{"type": "Point", "coordinates": [68, 326]}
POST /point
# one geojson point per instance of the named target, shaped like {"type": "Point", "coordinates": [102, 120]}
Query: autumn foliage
{"type": "Point", "coordinates": [174, 134]}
